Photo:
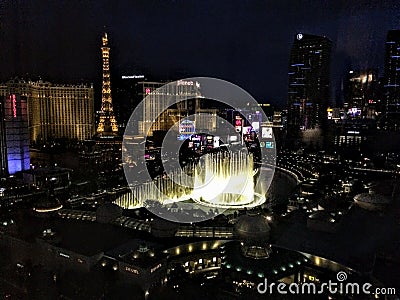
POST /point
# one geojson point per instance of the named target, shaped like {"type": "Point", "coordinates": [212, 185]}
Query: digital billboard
{"type": "Point", "coordinates": [269, 145]}
{"type": "Point", "coordinates": [266, 132]}
{"type": "Point", "coordinates": [216, 141]}
{"type": "Point", "coordinates": [256, 126]}
{"type": "Point", "coordinates": [354, 112]}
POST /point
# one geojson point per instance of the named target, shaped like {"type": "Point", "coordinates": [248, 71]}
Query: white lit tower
{"type": "Point", "coordinates": [107, 122]}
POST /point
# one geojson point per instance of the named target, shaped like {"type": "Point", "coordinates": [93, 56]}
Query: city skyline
{"type": "Point", "coordinates": [185, 149]}
{"type": "Point", "coordinates": [195, 40]}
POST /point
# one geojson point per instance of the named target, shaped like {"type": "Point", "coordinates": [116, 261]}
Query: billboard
{"type": "Point", "coordinates": [238, 124]}
{"type": "Point", "coordinates": [266, 132]}
{"type": "Point", "coordinates": [233, 138]}
{"type": "Point", "coordinates": [216, 141]}
{"type": "Point", "coordinates": [246, 130]}
{"type": "Point", "coordinates": [354, 112]}
{"type": "Point", "coordinates": [269, 145]}
{"type": "Point", "coordinates": [186, 129]}
{"type": "Point", "coordinates": [256, 126]}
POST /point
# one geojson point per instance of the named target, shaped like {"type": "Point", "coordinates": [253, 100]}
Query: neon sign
{"type": "Point", "coordinates": [189, 83]}
{"type": "Point", "coordinates": [238, 124]}
{"type": "Point", "coordinates": [184, 82]}
{"type": "Point", "coordinates": [132, 76]}
{"type": "Point", "coordinates": [14, 105]}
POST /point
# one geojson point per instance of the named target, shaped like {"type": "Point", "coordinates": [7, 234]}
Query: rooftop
{"type": "Point", "coordinates": [83, 237]}
{"type": "Point", "coordinates": [280, 263]}
{"type": "Point", "coordinates": [354, 244]}
{"type": "Point", "coordinates": [138, 252]}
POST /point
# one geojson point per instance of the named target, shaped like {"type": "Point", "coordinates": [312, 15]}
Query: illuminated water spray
{"type": "Point", "coordinates": [218, 180]}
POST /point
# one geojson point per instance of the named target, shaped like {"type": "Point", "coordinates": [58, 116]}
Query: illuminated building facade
{"type": "Point", "coordinates": [107, 123]}
{"type": "Point", "coordinates": [352, 135]}
{"type": "Point", "coordinates": [55, 111]}
{"type": "Point", "coordinates": [392, 79]}
{"type": "Point", "coordinates": [308, 92]}
{"type": "Point", "coordinates": [361, 93]}
{"type": "Point", "coordinates": [156, 99]}
{"type": "Point", "coordinates": [15, 135]}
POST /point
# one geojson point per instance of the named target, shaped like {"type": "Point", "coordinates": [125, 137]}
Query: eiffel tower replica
{"type": "Point", "coordinates": [107, 128]}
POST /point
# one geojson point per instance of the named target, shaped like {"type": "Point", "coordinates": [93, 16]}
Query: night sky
{"type": "Point", "coordinates": [245, 42]}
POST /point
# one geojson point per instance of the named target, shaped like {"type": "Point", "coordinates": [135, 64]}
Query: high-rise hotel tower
{"type": "Point", "coordinates": [391, 88]}
{"type": "Point", "coordinates": [55, 110]}
{"type": "Point", "coordinates": [308, 96]}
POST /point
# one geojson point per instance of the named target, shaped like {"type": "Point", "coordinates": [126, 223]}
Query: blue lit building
{"type": "Point", "coordinates": [308, 93]}
{"type": "Point", "coordinates": [15, 135]}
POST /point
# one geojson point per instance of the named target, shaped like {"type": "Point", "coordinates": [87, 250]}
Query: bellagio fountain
{"type": "Point", "coordinates": [217, 180]}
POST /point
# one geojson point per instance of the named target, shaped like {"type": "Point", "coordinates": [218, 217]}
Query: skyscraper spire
{"type": "Point", "coordinates": [107, 123]}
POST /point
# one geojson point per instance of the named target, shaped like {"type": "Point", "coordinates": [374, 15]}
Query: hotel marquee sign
{"type": "Point", "coordinates": [188, 83]}
{"type": "Point", "coordinates": [132, 76]}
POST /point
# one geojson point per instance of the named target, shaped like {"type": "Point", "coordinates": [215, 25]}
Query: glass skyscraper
{"type": "Point", "coordinates": [308, 94]}
{"type": "Point", "coordinates": [391, 86]}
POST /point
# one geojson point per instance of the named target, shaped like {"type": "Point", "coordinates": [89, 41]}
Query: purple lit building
{"type": "Point", "coordinates": [14, 140]}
